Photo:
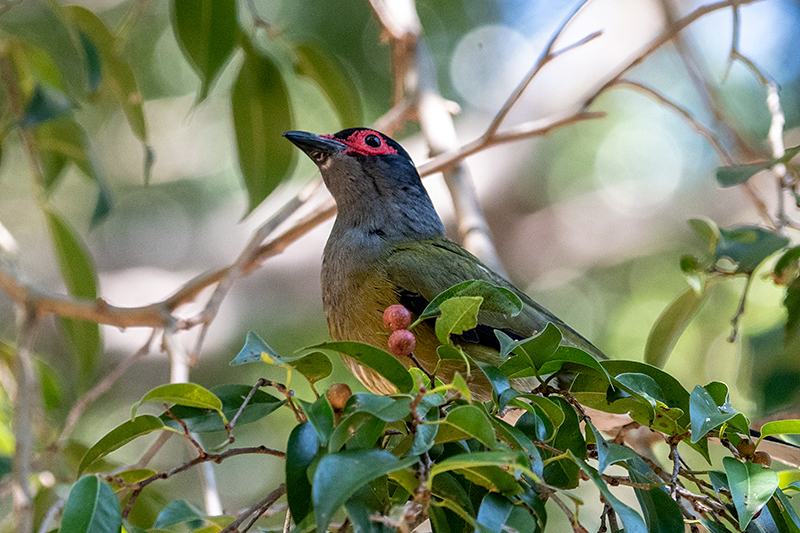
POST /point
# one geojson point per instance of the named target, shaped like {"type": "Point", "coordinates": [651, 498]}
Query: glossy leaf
{"type": "Point", "coordinates": [783, 511]}
{"type": "Point", "coordinates": [206, 31]}
{"type": "Point", "coordinates": [94, 68]}
{"type": "Point", "coordinates": [314, 366]}
{"type": "Point", "coordinates": [340, 475]}
{"type": "Point", "coordinates": [254, 350]}
{"type": "Point", "coordinates": [382, 407]}
{"type": "Point", "coordinates": [120, 436]}
{"type": "Point", "coordinates": [77, 270]}
{"type": "Point", "coordinates": [571, 355]}
{"type": "Point", "coordinates": [300, 451]}
{"type": "Point", "coordinates": [705, 413]}
{"type": "Point", "coordinates": [382, 362]}
{"type": "Point", "coordinates": [313, 62]}
{"type": "Point", "coordinates": [508, 460]}
{"type": "Point", "coordinates": [46, 104]}
{"type": "Point", "coordinates": [779, 427]}
{"type": "Point", "coordinates": [707, 230]}
{"type": "Point", "coordinates": [320, 414]}
{"type": "Point", "coordinates": [467, 421]}
{"type": "Point", "coordinates": [187, 394]}
{"type": "Point", "coordinates": [494, 511]}
{"type": "Point", "coordinates": [359, 431]}
{"type": "Point", "coordinates": [261, 113]}
{"type": "Point", "coordinates": [751, 487]}
{"type": "Point", "coordinates": [458, 314]}
{"type": "Point", "coordinates": [609, 453]}
{"type": "Point", "coordinates": [119, 78]}
{"type": "Point", "coordinates": [738, 174]}
{"type": "Point", "coordinates": [786, 267]}
{"type": "Point", "coordinates": [671, 324]}
{"type": "Point", "coordinates": [748, 246]}
{"type": "Point", "coordinates": [631, 520]}
{"type": "Point", "coordinates": [201, 420]}
{"type": "Point", "coordinates": [661, 513]}
{"type": "Point", "coordinates": [91, 507]}
{"type": "Point", "coordinates": [495, 299]}
{"type": "Point", "coordinates": [178, 512]}
{"type": "Point", "coordinates": [131, 476]}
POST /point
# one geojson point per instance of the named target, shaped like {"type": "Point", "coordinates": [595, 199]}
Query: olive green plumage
{"type": "Point", "coordinates": [388, 246]}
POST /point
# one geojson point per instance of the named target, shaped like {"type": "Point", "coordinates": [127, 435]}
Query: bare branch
{"type": "Point", "coordinates": [256, 510]}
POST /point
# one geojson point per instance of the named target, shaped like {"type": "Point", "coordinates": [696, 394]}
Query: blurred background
{"type": "Point", "coordinates": [590, 220]}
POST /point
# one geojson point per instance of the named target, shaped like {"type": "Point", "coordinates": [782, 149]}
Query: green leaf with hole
{"type": "Point", "coordinates": [120, 436]}
{"type": "Point", "coordinates": [382, 362]}
{"type": "Point", "coordinates": [206, 31]}
{"type": "Point", "coordinates": [261, 113]}
{"type": "Point", "coordinates": [339, 476]}
{"type": "Point", "coordinates": [458, 314]}
{"type": "Point", "coordinates": [187, 394]}
{"type": "Point", "coordinates": [78, 271]}
{"type": "Point", "coordinates": [91, 507]}
{"type": "Point", "coordinates": [312, 61]}
{"type": "Point", "coordinates": [751, 487]}
{"type": "Point", "coordinates": [671, 324]}
{"type": "Point", "coordinates": [200, 420]}
{"type": "Point", "coordinates": [301, 448]}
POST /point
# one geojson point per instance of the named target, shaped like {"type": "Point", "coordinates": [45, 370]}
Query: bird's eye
{"type": "Point", "coordinates": [373, 141]}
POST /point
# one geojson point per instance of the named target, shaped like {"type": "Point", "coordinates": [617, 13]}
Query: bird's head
{"type": "Point", "coordinates": [371, 177]}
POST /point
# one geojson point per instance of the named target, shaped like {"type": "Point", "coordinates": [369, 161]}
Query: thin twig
{"type": "Point", "coordinates": [256, 509]}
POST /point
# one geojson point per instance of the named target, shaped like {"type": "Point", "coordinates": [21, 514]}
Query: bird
{"type": "Point", "coordinates": [388, 246]}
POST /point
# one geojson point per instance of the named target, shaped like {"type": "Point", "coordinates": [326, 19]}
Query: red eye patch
{"type": "Point", "coordinates": [365, 142]}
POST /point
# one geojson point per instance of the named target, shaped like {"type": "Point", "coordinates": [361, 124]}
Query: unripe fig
{"type": "Point", "coordinates": [338, 394]}
{"type": "Point", "coordinates": [401, 343]}
{"type": "Point", "coordinates": [762, 458]}
{"type": "Point", "coordinates": [396, 317]}
{"type": "Point", "coordinates": [746, 448]}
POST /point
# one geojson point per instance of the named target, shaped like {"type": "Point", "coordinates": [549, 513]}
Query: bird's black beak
{"type": "Point", "coordinates": [317, 147]}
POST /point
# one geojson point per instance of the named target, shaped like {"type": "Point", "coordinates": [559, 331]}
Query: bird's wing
{"type": "Point", "coordinates": [420, 270]}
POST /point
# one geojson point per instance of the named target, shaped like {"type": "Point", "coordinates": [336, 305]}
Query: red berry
{"type": "Point", "coordinates": [396, 317]}
{"type": "Point", "coordinates": [401, 343]}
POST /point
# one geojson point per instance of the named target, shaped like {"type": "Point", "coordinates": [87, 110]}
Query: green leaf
{"type": "Point", "coordinates": [120, 436]}
{"type": "Point", "coordinates": [748, 246]}
{"type": "Point", "coordinates": [661, 513]}
{"type": "Point", "coordinates": [320, 414]}
{"type": "Point", "coordinates": [382, 362]}
{"type": "Point", "coordinates": [46, 104]}
{"type": "Point", "coordinates": [779, 427]}
{"type": "Point", "coordinates": [631, 520]}
{"type": "Point", "coordinates": [707, 230]}
{"type": "Point", "coordinates": [467, 421]}
{"type": "Point", "coordinates": [91, 507]}
{"type": "Point", "coordinates": [119, 79]}
{"type": "Point", "coordinates": [494, 511]}
{"type": "Point", "coordinates": [495, 299]}
{"type": "Point", "coordinates": [738, 174]}
{"type": "Point", "coordinates": [300, 451]}
{"type": "Point", "coordinates": [383, 407]}
{"type": "Point", "coordinates": [253, 351]}
{"type": "Point", "coordinates": [786, 267]}
{"type": "Point", "coordinates": [188, 394]}
{"type": "Point", "coordinates": [783, 512]}
{"type": "Point", "coordinates": [178, 512]}
{"type": "Point", "coordinates": [313, 62]}
{"type": "Point", "coordinates": [314, 366]}
{"type": "Point", "coordinates": [572, 355]}
{"type": "Point", "coordinates": [705, 413]}
{"type": "Point", "coordinates": [201, 420]}
{"type": "Point", "coordinates": [359, 431]}
{"type": "Point", "coordinates": [78, 272]}
{"type": "Point", "coordinates": [751, 487]}
{"type": "Point", "coordinates": [671, 324]}
{"type": "Point", "coordinates": [133, 475]}
{"type": "Point", "coordinates": [261, 113]}
{"type": "Point", "coordinates": [206, 31]}
{"type": "Point", "coordinates": [536, 349]}
{"type": "Point", "coordinates": [94, 68]}
{"type": "Point", "coordinates": [458, 314]}
{"type": "Point", "coordinates": [609, 453]}
{"type": "Point", "coordinates": [511, 460]}
{"type": "Point", "coordinates": [340, 475]}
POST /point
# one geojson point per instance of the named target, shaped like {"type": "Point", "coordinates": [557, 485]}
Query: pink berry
{"type": "Point", "coordinates": [401, 343]}
{"type": "Point", "coordinates": [396, 317]}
